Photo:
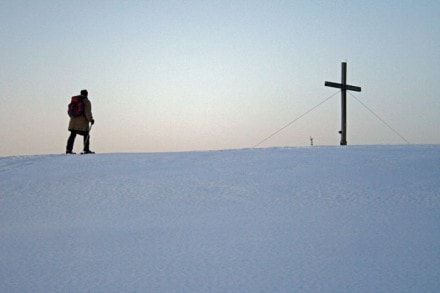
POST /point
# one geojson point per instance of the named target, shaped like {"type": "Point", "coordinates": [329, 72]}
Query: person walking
{"type": "Point", "coordinates": [80, 122]}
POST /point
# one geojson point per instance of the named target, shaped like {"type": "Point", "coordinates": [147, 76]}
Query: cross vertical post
{"type": "Point", "coordinates": [344, 87]}
{"type": "Point", "coordinates": [343, 103]}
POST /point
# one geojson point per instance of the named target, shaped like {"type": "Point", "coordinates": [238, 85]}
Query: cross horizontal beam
{"type": "Point", "coordinates": [343, 86]}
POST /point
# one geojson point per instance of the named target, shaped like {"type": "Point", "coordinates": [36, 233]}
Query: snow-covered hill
{"type": "Point", "coordinates": [321, 219]}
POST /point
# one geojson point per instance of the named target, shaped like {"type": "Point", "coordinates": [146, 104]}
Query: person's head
{"type": "Point", "coordinates": [84, 93]}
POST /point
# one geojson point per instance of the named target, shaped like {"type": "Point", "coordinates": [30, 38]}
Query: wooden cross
{"type": "Point", "coordinates": [344, 87]}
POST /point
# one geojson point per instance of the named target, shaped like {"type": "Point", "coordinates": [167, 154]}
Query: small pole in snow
{"type": "Point", "coordinates": [344, 87]}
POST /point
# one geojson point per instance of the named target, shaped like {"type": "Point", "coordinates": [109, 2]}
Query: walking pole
{"type": "Point", "coordinates": [88, 134]}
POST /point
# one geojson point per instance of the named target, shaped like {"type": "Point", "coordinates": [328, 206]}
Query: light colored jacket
{"type": "Point", "coordinates": [81, 123]}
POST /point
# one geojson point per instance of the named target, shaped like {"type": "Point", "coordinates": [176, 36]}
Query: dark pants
{"type": "Point", "coordinates": [72, 137]}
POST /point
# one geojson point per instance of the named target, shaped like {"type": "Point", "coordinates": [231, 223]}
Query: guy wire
{"type": "Point", "coordinates": [296, 119]}
{"type": "Point", "coordinates": [380, 119]}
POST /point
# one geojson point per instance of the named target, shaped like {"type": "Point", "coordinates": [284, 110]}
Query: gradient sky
{"type": "Point", "coordinates": [198, 75]}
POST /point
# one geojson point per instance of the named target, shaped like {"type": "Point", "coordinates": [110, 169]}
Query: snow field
{"type": "Point", "coordinates": [321, 219]}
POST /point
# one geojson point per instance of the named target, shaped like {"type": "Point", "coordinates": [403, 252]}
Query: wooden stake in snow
{"type": "Point", "coordinates": [344, 87]}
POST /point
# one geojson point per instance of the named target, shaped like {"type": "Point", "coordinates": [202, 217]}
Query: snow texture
{"type": "Point", "coordinates": [317, 219]}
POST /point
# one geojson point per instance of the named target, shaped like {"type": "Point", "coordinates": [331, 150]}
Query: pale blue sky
{"type": "Point", "coordinates": [197, 75]}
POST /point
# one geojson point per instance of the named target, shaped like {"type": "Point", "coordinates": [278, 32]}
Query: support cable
{"type": "Point", "coordinates": [296, 119]}
{"type": "Point", "coordinates": [380, 119]}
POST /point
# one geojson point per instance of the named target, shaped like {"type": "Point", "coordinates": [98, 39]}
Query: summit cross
{"type": "Point", "coordinates": [344, 87]}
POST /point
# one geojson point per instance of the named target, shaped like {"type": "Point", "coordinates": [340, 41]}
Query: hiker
{"type": "Point", "coordinates": [80, 112]}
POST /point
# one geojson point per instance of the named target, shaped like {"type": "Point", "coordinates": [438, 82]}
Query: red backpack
{"type": "Point", "coordinates": [76, 106]}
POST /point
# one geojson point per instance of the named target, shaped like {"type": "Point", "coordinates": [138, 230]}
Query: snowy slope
{"type": "Point", "coordinates": [321, 219]}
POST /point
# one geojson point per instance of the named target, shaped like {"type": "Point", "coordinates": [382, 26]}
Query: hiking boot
{"type": "Point", "coordinates": [87, 152]}
{"type": "Point", "coordinates": [70, 153]}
